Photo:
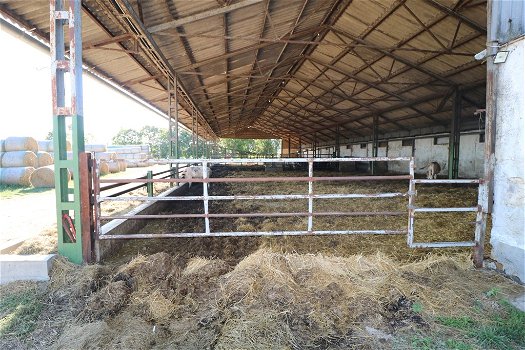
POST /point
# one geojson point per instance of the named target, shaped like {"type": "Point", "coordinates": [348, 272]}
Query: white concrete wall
{"type": "Point", "coordinates": [508, 217]}
{"type": "Point", "coordinates": [471, 161]}
{"type": "Point", "coordinates": [396, 149]}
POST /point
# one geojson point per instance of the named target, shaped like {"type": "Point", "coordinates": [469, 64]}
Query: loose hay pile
{"type": "Point", "coordinates": [268, 300]}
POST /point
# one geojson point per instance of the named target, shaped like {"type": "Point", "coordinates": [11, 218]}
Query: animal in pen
{"type": "Point", "coordinates": [195, 172]}
{"type": "Point", "coordinates": [433, 169]}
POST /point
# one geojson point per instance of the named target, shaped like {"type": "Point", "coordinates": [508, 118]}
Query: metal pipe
{"type": "Point", "coordinates": [288, 160]}
{"type": "Point", "coordinates": [248, 215]}
{"type": "Point", "coordinates": [251, 197]}
{"type": "Point", "coordinates": [263, 179]}
{"type": "Point", "coordinates": [263, 233]}
{"type": "Point", "coordinates": [444, 210]}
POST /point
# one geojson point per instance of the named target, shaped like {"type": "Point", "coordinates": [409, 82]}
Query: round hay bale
{"type": "Point", "coordinates": [142, 164]}
{"type": "Point", "coordinates": [131, 164]}
{"type": "Point", "coordinates": [44, 159]}
{"type": "Point", "coordinates": [113, 167]}
{"type": "Point", "coordinates": [2, 147]}
{"type": "Point", "coordinates": [1, 155]}
{"type": "Point", "coordinates": [96, 148]}
{"type": "Point", "coordinates": [44, 145]}
{"type": "Point", "coordinates": [19, 143]}
{"type": "Point", "coordinates": [106, 155]}
{"type": "Point", "coordinates": [103, 168]}
{"type": "Point", "coordinates": [122, 164]}
{"type": "Point", "coordinates": [45, 177]}
{"type": "Point", "coordinates": [19, 159]}
{"type": "Point", "coordinates": [16, 176]}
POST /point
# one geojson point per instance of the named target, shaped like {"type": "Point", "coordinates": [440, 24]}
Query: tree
{"type": "Point", "coordinates": [49, 136]}
{"type": "Point", "coordinates": [157, 139]}
{"type": "Point", "coordinates": [127, 137]}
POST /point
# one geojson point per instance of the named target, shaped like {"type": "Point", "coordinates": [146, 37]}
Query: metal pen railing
{"type": "Point", "coordinates": [310, 196]}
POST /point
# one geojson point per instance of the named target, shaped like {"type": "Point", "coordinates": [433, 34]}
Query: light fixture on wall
{"type": "Point", "coordinates": [499, 57]}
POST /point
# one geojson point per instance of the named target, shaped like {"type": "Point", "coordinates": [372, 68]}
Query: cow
{"type": "Point", "coordinates": [433, 170]}
{"type": "Point", "coordinates": [194, 172]}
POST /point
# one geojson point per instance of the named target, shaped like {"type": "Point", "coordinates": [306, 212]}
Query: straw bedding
{"type": "Point", "coordinates": [268, 300]}
{"type": "Point", "coordinates": [345, 292]}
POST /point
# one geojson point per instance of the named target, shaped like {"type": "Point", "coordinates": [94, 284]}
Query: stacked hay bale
{"type": "Point", "coordinates": [18, 160]}
{"type": "Point", "coordinates": [107, 159]}
{"type": "Point", "coordinates": [45, 176]}
{"type": "Point", "coordinates": [133, 155]}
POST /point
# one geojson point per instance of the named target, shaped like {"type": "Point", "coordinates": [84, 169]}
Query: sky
{"type": "Point", "coordinates": [25, 96]}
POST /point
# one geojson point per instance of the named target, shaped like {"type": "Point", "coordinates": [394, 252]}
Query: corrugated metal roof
{"type": "Point", "coordinates": [287, 68]}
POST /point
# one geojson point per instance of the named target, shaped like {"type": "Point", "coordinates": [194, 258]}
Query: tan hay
{"type": "Point", "coordinates": [122, 164]}
{"type": "Point", "coordinates": [24, 143]}
{"type": "Point", "coordinates": [106, 155]}
{"type": "Point", "coordinates": [16, 176]}
{"type": "Point", "coordinates": [113, 166]}
{"type": "Point", "coordinates": [45, 177]}
{"type": "Point", "coordinates": [44, 159]}
{"type": "Point", "coordinates": [19, 159]}
{"type": "Point", "coordinates": [103, 168]}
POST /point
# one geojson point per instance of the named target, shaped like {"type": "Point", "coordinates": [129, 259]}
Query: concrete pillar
{"type": "Point", "coordinates": [506, 111]}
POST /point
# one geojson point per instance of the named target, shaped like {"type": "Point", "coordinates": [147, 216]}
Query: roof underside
{"type": "Point", "coordinates": [299, 69]}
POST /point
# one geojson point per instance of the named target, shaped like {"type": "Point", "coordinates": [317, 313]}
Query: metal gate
{"type": "Point", "coordinates": [310, 196]}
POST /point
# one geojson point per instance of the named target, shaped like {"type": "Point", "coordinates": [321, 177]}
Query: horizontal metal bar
{"type": "Point", "coordinates": [244, 215]}
{"type": "Point", "coordinates": [237, 234]}
{"type": "Point", "coordinates": [248, 197]}
{"type": "Point", "coordinates": [443, 210]}
{"type": "Point", "coordinates": [451, 181]}
{"type": "Point", "coordinates": [264, 179]}
{"type": "Point", "coordinates": [285, 160]}
{"type": "Point", "coordinates": [442, 244]}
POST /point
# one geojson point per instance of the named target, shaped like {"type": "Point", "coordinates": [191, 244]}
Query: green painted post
{"type": "Point", "coordinates": [149, 185]}
{"type": "Point", "coordinates": [69, 221]}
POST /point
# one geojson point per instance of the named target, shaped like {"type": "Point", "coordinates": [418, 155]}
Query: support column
{"type": "Point", "coordinates": [505, 136]}
{"type": "Point", "coordinates": [375, 144]}
{"type": "Point", "coordinates": [68, 201]}
{"type": "Point", "coordinates": [337, 142]}
{"type": "Point", "coordinates": [289, 147]}
{"type": "Point", "coordinates": [453, 143]}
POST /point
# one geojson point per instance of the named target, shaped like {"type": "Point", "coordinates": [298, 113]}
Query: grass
{"type": "Point", "coordinates": [502, 329]}
{"type": "Point", "coordinates": [10, 191]}
{"type": "Point", "coordinates": [19, 312]}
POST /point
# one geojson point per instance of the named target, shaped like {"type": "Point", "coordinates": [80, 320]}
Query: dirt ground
{"type": "Point", "coordinates": [327, 292]}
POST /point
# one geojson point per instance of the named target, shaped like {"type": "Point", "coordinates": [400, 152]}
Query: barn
{"type": "Point", "coordinates": [364, 97]}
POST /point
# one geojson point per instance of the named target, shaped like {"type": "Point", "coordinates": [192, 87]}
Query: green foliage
{"type": "Point", "coordinates": [158, 140]}
{"type": "Point", "coordinates": [248, 146]}
{"type": "Point", "coordinates": [457, 345]}
{"type": "Point", "coordinates": [493, 292]}
{"type": "Point", "coordinates": [19, 312]}
{"type": "Point", "coordinates": [127, 137]}
{"type": "Point", "coordinates": [504, 329]}
{"type": "Point", "coordinates": [423, 343]}
{"type": "Point", "coordinates": [49, 136]}
{"type": "Point", "coordinates": [10, 191]}
{"type": "Point", "coordinates": [417, 307]}
{"type": "Point", "coordinates": [462, 322]}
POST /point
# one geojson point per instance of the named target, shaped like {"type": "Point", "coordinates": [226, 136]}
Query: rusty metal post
{"type": "Point", "coordinates": [86, 206]}
{"type": "Point", "coordinates": [375, 144]}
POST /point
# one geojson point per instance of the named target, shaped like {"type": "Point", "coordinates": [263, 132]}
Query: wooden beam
{"type": "Point", "coordinates": [197, 17]}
